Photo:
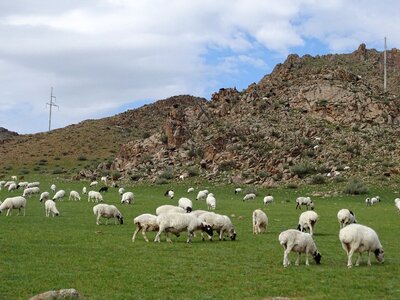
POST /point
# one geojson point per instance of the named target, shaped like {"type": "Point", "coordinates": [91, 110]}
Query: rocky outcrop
{"type": "Point", "coordinates": [6, 134]}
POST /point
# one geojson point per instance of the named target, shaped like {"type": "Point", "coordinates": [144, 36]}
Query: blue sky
{"type": "Point", "coordinates": [106, 56]}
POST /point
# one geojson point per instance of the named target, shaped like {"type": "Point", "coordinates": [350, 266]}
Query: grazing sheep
{"type": "Point", "coordinates": [28, 192]}
{"type": "Point", "coordinates": [304, 201]}
{"type": "Point", "coordinates": [186, 204]}
{"type": "Point", "coordinates": [13, 203]}
{"type": "Point", "coordinates": [211, 202]}
{"type": "Point", "coordinates": [300, 242]}
{"type": "Point", "coordinates": [33, 184]}
{"type": "Point", "coordinates": [128, 198]}
{"type": "Point", "coordinates": [360, 238]}
{"type": "Point", "coordinates": [250, 196]}
{"type": "Point", "coordinates": [74, 195]}
{"type": "Point", "coordinates": [145, 222]}
{"type": "Point", "coordinates": [307, 220]}
{"type": "Point", "coordinates": [103, 189]}
{"type": "Point", "coordinates": [8, 183]}
{"type": "Point", "coordinates": [104, 179]}
{"type": "Point", "coordinates": [170, 194]}
{"type": "Point", "coordinates": [23, 184]}
{"type": "Point", "coordinates": [166, 209]}
{"type": "Point", "coordinates": [50, 207]}
{"type": "Point", "coordinates": [95, 197]}
{"type": "Point", "coordinates": [190, 190]}
{"type": "Point", "coordinates": [220, 223]}
{"type": "Point", "coordinates": [84, 190]}
{"type": "Point", "coordinates": [107, 211]}
{"type": "Point", "coordinates": [397, 204]}
{"type": "Point", "coordinates": [59, 195]}
{"type": "Point", "coordinates": [268, 200]}
{"type": "Point", "coordinates": [12, 187]}
{"type": "Point", "coordinates": [121, 191]}
{"type": "Point", "coordinates": [44, 196]}
{"type": "Point", "coordinates": [177, 222]}
{"type": "Point", "coordinates": [368, 201]}
{"type": "Point", "coordinates": [260, 221]}
{"type": "Point", "coordinates": [346, 217]}
{"type": "Point", "coordinates": [198, 212]}
{"type": "Point", "coordinates": [53, 188]}
{"type": "Point", "coordinates": [202, 195]}
{"type": "Point", "coordinates": [238, 190]}
{"type": "Point", "coordinates": [93, 184]}
{"type": "Point", "coordinates": [375, 200]}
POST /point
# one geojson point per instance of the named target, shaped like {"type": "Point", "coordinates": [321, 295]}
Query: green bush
{"type": "Point", "coordinates": [355, 187]}
{"type": "Point", "coordinates": [318, 179]}
{"type": "Point", "coordinates": [302, 170]}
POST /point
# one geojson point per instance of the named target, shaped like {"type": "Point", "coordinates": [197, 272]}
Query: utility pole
{"type": "Point", "coordinates": [51, 104]}
{"type": "Point", "coordinates": [384, 68]}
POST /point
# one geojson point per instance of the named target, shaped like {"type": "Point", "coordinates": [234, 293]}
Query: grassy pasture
{"type": "Point", "coordinates": [40, 254]}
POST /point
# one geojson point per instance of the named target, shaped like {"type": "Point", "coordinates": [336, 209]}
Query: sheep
{"type": "Point", "coordinates": [250, 196]}
{"type": "Point", "coordinates": [84, 190]}
{"type": "Point", "coordinates": [59, 195]}
{"type": "Point", "coordinates": [103, 189]}
{"type": "Point", "coordinates": [13, 203]}
{"type": "Point", "coordinates": [74, 195]}
{"type": "Point", "coordinates": [178, 222]}
{"type": "Point", "coordinates": [128, 198]}
{"type": "Point", "coordinates": [53, 188]}
{"type": "Point", "coordinates": [145, 222]}
{"type": "Point", "coordinates": [268, 200]}
{"type": "Point", "coordinates": [14, 177]}
{"type": "Point", "coordinates": [8, 183]}
{"type": "Point", "coordinates": [304, 201]}
{"type": "Point", "coordinates": [44, 196]}
{"type": "Point", "coordinates": [368, 201]}
{"type": "Point", "coordinates": [30, 191]}
{"type": "Point", "coordinates": [23, 184]}
{"type": "Point", "coordinates": [202, 195]}
{"type": "Point", "coordinates": [50, 207]}
{"type": "Point", "coordinates": [375, 200]}
{"type": "Point", "coordinates": [346, 217]}
{"type": "Point", "coordinates": [190, 190]}
{"type": "Point", "coordinates": [300, 242]}
{"type": "Point", "coordinates": [95, 197]}
{"type": "Point", "coordinates": [360, 238]}
{"type": "Point", "coordinates": [220, 223]}
{"type": "Point", "coordinates": [397, 204]}
{"type": "Point", "coordinates": [260, 221]}
{"type": "Point", "coordinates": [107, 211]}
{"type": "Point", "coordinates": [170, 194]}
{"type": "Point", "coordinates": [238, 190]}
{"type": "Point", "coordinates": [166, 209]}
{"type": "Point", "coordinates": [12, 187]}
{"type": "Point", "coordinates": [211, 202]}
{"type": "Point", "coordinates": [93, 184]}
{"type": "Point", "coordinates": [308, 219]}
{"type": "Point", "coordinates": [186, 204]}
{"type": "Point", "coordinates": [121, 191]}
{"type": "Point", "coordinates": [104, 179]}
{"type": "Point", "coordinates": [198, 212]}
{"type": "Point", "coordinates": [33, 184]}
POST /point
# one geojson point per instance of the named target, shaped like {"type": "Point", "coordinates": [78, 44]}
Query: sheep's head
{"type": "Point", "coordinates": [188, 209]}
{"type": "Point", "coordinates": [120, 219]}
{"type": "Point", "coordinates": [317, 257]}
{"type": "Point", "coordinates": [232, 235]}
{"type": "Point", "coordinates": [380, 255]}
{"type": "Point", "coordinates": [207, 229]}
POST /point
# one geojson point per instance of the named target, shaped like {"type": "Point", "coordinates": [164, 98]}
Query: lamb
{"type": "Point", "coordinates": [14, 177]}
{"type": "Point", "coordinates": [95, 197]}
{"type": "Point", "coordinates": [44, 196]}
{"type": "Point", "coordinates": [128, 198]}
{"type": "Point", "coordinates": [177, 223]}
{"type": "Point", "coordinates": [201, 195]}
{"type": "Point", "coordinates": [368, 201]}
{"type": "Point", "coordinates": [59, 195]}
{"type": "Point", "coordinates": [103, 189]}
{"type": "Point", "coordinates": [30, 191]}
{"type": "Point", "coordinates": [12, 187]}
{"type": "Point", "coordinates": [186, 204]}
{"type": "Point", "coordinates": [375, 200]}
{"type": "Point", "coordinates": [121, 191]}
{"type": "Point", "coordinates": [304, 201]}
{"type": "Point", "coordinates": [211, 202]}
{"type": "Point", "coordinates": [300, 242]}
{"type": "Point", "coordinates": [84, 190]}
{"type": "Point", "coordinates": [104, 179]}
{"type": "Point", "coordinates": [50, 208]}
{"type": "Point", "coordinates": [170, 194]}
{"type": "Point", "coordinates": [53, 188]}
{"type": "Point", "coordinates": [308, 219]}
{"type": "Point", "coordinates": [166, 209]}
{"type": "Point", "coordinates": [360, 238]}
{"type": "Point", "coordinates": [190, 190]}
{"type": "Point", "coordinates": [93, 184]}
{"type": "Point", "coordinates": [33, 184]}
{"type": "Point", "coordinates": [13, 203]}
{"type": "Point", "coordinates": [145, 222]}
{"type": "Point", "coordinates": [346, 217]}
{"type": "Point", "coordinates": [397, 204]}
{"type": "Point", "coordinates": [74, 195]}
{"type": "Point", "coordinates": [268, 200]}
{"type": "Point", "coordinates": [107, 211]}
{"type": "Point", "coordinates": [238, 190]}
{"type": "Point", "coordinates": [260, 221]}
{"type": "Point", "coordinates": [250, 196]}
{"type": "Point", "coordinates": [220, 223]}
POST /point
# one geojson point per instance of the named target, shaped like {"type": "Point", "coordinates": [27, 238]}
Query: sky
{"type": "Point", "coordinates": [103, 57]}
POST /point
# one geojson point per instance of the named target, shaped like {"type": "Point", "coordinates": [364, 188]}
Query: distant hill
{"type": "Point", "coordinates": [6, 134]}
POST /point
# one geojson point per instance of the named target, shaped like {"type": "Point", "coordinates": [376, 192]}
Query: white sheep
{"type": "Point", "coordinates": [104, 179]}
{"type": "Point", "coordinates": [307, 220]}
{"type": "Point", "coordinates": [93, 184]}
{"type": "Point", "coordinates": [190, 190]}
{"type": "Point", "coordinates": [268, 200]}
{"type": "Point", "coordinates": [170, 194]}
{"type": "Point", "coordinates": [177, 222]}
{"type": "Point", "coordinates": [166, 209]}
{"type": "Point", "coordinates": [50, 208]}
{"type": "Point", "coordinates": [260, 221]}
{"type": "Point", "coordinates": [397, 204]}
{"type": "Point", "coordinates": [53, 188]}
{"type": "Point", "coordinates": [375, 200]}
{"type": "Point", "coordinates": [12, 187]}
{"type": "Point", "coordinates": [84, 190]}
{"type": "Point", "coordinates": [107, 211]}
{"type": "Point", "coordinates": [198, 212]}
{"type": "Point", "coordinates": [145, 223]}
{"type": "Point", "coordinates": [44, 196]}
{"type": "Point", "coordinates": [201, 195]}
{"type": "Point", "coordinates": [304, 201]}
{"type": "Point", "coordinates": [59, 195]}
{"type": "Point", "coordinates": [220, 223]}
{"type": "Point", "coordinates": [238, 190]}
{"type": "Point", "coordinates": [8, 183]}
{"type": "Point", "coordinates": [23, 184]}
{"type": "Point", "coordinates": [13, 203]}
{"type": "Point", "coordinates": [33, 184]}
{"type": "Point", "coordinates": [300, 242]}
{"type": "Point", "coordinates": [250, 196]}
{"type": "Point", "coordinates": [186, 204]}
{"type": "Point", "coordinates": [360, 238]}
{"type": "Point", "coordinates": [128, 198]}
{"type": "Point", "coordinates": [14, 177]}
{"type": "Point", "coordinates": [211, 202]}
{"type": "Point", "coordinates": [121, 191]}
{"type": "Point", "coordinates": [346, 217]}
{"type": "Point", "coordinates": [95, 197]}
{"type": "Point", "coordinates": [74, 195]}
{"type": "Point", "coordinates": [28, 192]}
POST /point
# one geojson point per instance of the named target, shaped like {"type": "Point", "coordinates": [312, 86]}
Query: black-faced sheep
{"type": "Point", "coordinates": [107, 211]}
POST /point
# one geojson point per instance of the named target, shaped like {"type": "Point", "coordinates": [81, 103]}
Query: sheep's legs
{"type": "Point", "coordinates": [369, 258]}
{"type": "Point", "coordinates": [297, 262]}
{"type": "Point", "coordinates": [134, 234]}
{"type": "Point", "coordinates": [9, 212]}
{"type": "Point", "coordinates": [144, 234]}
{"type": "Point", "coordinates": [286, 260]}
{"type": "Point", "coordinates": [358, 260]}
{"type": "Point", "coordinates": [349, 256]}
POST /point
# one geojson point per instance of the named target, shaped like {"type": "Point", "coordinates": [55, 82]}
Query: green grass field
{"type": "Point", "coordinates": [40, 254]}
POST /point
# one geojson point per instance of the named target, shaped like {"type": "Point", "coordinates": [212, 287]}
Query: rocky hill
{"type": "Point", "coordinates": [6, 134]}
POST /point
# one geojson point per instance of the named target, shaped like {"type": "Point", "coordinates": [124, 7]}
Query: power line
{"type": "Point", "coordinates": [51, 104]}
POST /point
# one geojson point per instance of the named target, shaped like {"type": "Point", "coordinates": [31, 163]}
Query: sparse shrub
{"type": "Point", "coordinates": [82, 158]}
{"type": "Point", "coordinates": [42, 162]}
{"type": "Point", "coordinates": [291, 185]}
{"type": "Point", "coordinates": [167, 174]}
{"type": "Point", "coordinates": [251, 189]}
{"type": "Point", "coordinates": [227, 165]}
{"type": "Point", "coordinates": [355, 187]}
{"type": "Point", "coordinates": [8, 168]}
{"type": "Point", "coordinates": [302, 170]}
{"type": "Point", "coordinates": [318, 179]}
{"type": "Point", "coordinates": [115, 175]}
{"type": "Point", "coordinates": [145, 135]}
{"type": "Point", "coordinates": [193, 171]}
{"type": "Point", "coordinates": [58, 171]}
{"type": "Point", "coordinates": [339, 179]}
{"type": "Point", "coordinates": [136, 177]}
{"type": "Point", "coordinates": [161, 181]}
{"type": "Point", "coordinates": [24, 171]}
{"type": "Point", "coordinates": [164, 139]}
{"type": "Point", "coordinates": [57, 158]}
